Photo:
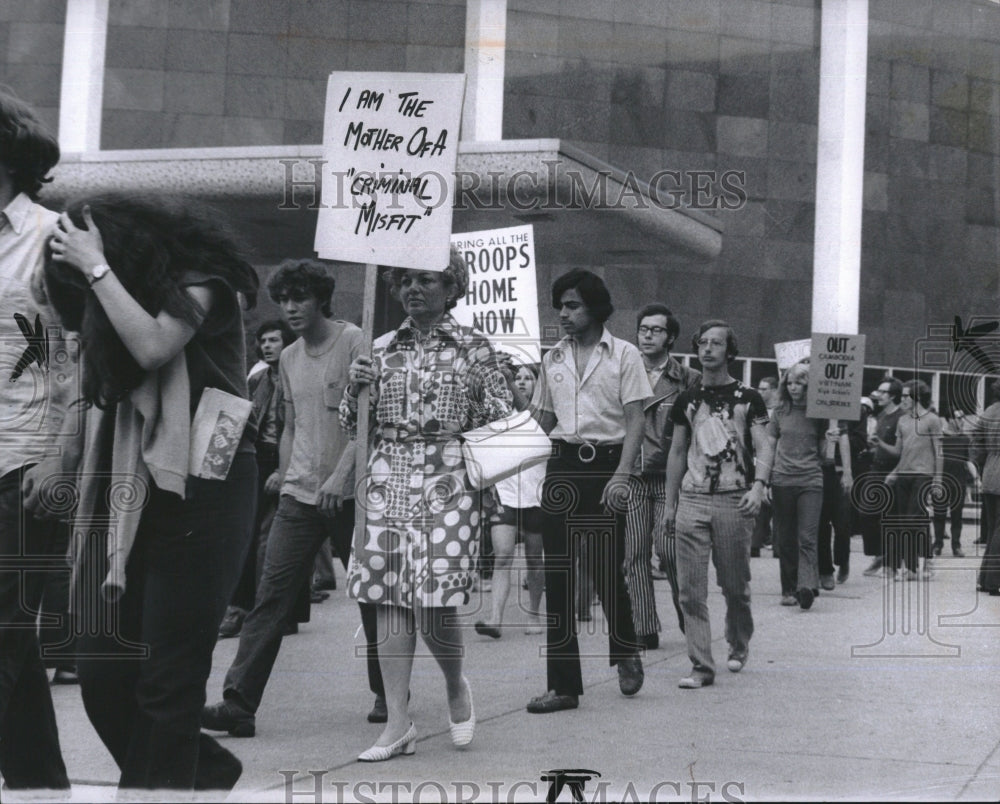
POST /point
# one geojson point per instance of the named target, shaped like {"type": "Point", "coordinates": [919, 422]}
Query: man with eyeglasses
{"type": "Point", "coordinates": [887, 397]}
{"type": "Point", "coordinates": [715, 488]}
{"type": "Point", "coordinates": [656, 331]}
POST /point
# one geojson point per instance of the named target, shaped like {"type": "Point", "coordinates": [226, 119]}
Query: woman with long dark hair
{"type": "Point", "coordinates": [153, 289]}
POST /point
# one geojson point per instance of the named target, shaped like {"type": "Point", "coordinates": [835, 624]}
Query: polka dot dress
{"type": "Point", "coordinates": [421, 540]}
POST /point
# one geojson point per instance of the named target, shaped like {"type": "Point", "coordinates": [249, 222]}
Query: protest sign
{"type": "Point", "coordinates": [788, 353]}
{"type": "Point", "coordinates": [502, 298]}
{"type": "Point", "coordinates": [390, 141]}
{"type": "Point", "coordinates": [836, 371]}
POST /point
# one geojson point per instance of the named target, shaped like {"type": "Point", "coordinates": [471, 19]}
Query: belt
{"type": "Point", "coordinates": [586, 452]}
{"type": "Point", "coordinates": [397, 434]}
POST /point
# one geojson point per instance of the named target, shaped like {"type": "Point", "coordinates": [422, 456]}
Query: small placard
{"type": "Point", "coordinates": [836, 373]}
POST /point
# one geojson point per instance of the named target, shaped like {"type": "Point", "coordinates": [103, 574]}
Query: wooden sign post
{"type": "Point", "coordinates": [390, 143]}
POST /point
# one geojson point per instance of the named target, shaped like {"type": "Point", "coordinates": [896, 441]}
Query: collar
{"type": "Point", "coordinates": [446, 328]}
{"type": "Point", "coordinates": [670, 367]}
{"type": "Point", "coordinates": [569, 342]}
{"type": "Point", "coordinates": [16, 212]}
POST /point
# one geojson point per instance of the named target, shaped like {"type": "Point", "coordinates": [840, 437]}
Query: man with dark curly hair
{"type": "Point", "coordinates": [30, 756]}
{"type": "Point", "coordinates": [316, 490]}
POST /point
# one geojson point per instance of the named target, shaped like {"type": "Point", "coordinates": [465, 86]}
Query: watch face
{"type": "Point", "coordinates": [99, 271]}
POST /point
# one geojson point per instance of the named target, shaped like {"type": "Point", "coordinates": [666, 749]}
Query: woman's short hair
{"type": "Point", "coordinates": [303, 278]}
{"type": "Point", "coordinates": [27, 149]}
{"type": "Point", "coordinates": [673, 325]}
{"type": "Point", "coordinates": [591, 288]}
{"type": "Point", "coordinates": [920, 391]}
{"type": "Point", "coordinates": [455, 276]}
{"type": "Point", "coordinates": [732, 348]}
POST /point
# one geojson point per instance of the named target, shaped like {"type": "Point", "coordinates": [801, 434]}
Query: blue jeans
{"type": "Point", "coordinates": [180, 575]}
{"type": "Point", "coordinates": [296, 534]}
{"type": "Point", "coordinates": [796, 520]}
{"type": "Point", "coordinates": [710, 525]}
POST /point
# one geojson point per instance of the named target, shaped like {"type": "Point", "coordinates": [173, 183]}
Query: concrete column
{"type": "Point", "coordinates": [840, 165]}
{"type": "Point", "coordinates": [485, 48]}
{"type": "Point", "coordinates": [82, 90]}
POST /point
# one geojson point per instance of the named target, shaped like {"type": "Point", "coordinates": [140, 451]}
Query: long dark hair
{"type": "Point", "coordinates": [151, 245]}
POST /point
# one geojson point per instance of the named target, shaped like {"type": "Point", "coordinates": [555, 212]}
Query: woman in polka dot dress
{"type": "Point", "coordinates": [430, 381]}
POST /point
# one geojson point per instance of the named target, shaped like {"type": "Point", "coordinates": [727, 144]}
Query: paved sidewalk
{"type": "Point", "coordinates": [882, 691]}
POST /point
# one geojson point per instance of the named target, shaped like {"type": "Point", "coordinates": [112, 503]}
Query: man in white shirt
{"type": "Point", "coordinates": [589, 400]}
{"type": "Point", "coordinates": [32, 402]}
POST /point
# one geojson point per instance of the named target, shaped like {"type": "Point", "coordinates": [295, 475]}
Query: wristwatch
{"type": "Point", "coordinates": [99, 272]}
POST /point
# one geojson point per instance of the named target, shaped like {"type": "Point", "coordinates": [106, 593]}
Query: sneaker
{"type": "Point", "coordinates": [938, 547]}
{"type": "Point", "coordinates": [695, 681]}
{"type": "Point", "coordinates": [874, 567]}
{"type": "Point", "coordinates": [789, 600]}
{"type": "Point", "coordinates": [827, 582]}
{"type": "Point", "coordinates": [232, 623]}
{"type": "Point", "coordinates": [227, 715]}
{"type": "Point", "coordinates": [957, 552]}
{"type": "Point", "coordinates": [805, 598]}
{"type": "Point", "coordinates": [908, 575]}
{"type": "Point", "coordinates": [736, 661]}
{"type": "Point", "coordinates": [843, 573]}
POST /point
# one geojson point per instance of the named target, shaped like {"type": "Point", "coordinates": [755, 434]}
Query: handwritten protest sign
{"type": "Point", "coordinates": [502, 297]}
{"type": "Point", "coordinates": [390, 141]}
{"type": "Point", "coordinates": [788, 353]}
{"type": "Point", "coordinates": [836, 371]}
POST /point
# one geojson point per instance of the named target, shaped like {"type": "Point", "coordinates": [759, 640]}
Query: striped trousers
{"type": "Point", "coordinates": [710, 527]}
{"type": "Point", "coordinates": [647, 499]}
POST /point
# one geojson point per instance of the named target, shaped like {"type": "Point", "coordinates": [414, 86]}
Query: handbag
{"type": "Point", "coordinates": [503, 448]}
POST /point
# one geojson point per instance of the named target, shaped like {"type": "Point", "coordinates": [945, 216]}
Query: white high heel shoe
{"type": "Point", "coordinates": [405, 745]}
{"type": "Point", "coordinates": [462, 733]}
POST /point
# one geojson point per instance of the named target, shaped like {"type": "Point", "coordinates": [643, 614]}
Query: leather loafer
{"type": "Point", "coordinates": [552, 702]}
{"type": "Point", "coordinates": [228, 716]}
{"type": "Point", "coordinates": [630, 675]}
{"type": "Point", "coordinates": [65, 675]}
{"type": "Point", "coordinates": [380, 712]}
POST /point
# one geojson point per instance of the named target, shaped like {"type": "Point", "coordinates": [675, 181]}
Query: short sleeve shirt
{"type": "Point", "coordinates": [29, 335]}
{"type": "Point", "coordinates": [720, 451]}
{"type": "Point", "coordinates": [916, 436]}
{"type": "Point", "coordinates": [313, 387]}
{"type": "Point", "coordinates": [798, 460]}
{"type": "Point", "coordinates": [591, 408]}
{"type": "Point", "coordinates": [885, 430]}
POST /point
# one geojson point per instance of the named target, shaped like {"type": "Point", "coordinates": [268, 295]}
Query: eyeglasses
{"type": "Point", "coordinates": [710, 342]}
{"type": "Point", "coordinates": [644, 330]}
